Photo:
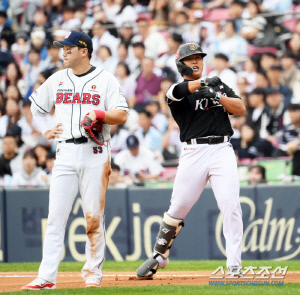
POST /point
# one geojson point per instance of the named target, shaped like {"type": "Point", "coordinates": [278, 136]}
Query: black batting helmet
{"type": "Point", "coordinates": [184, 51]}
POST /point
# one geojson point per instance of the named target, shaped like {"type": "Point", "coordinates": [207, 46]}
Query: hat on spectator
{"type": "Point", "coordinates": [38, 33]}
{"type": "Point", "coordinates": [127, 24]}
{"type": "Point", "coordinates": [132, 141]}
{"type": "Point", "coordinates": [289, 54]}
{"type": "Point", "coordinates": [76, 38]}
{"type": "Point", "coordinates": [222, 56]}
{"type": "Point", "coordinates": [14, 130]}
{"type": "Point", "coordinates": [143, 17]}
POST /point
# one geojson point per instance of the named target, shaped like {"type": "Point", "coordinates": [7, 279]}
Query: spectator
{"type": "Point", "coordinates": [20, 47]}
{"type": "Point", "coordinates": [13, 77]}
{"type": "Point", "coordinates": [41, 153]}
{"type": "Point", "coordinates": [16, 132]}
{"type": "Point", "coordinates": [155, 43]}
{"type": "Point", "coordinates": [159, 120]}
{"type": "Point", "coordinates": [256, 175]}
{"type": "Point", "coordinates": [116, 179]}
{"type": "Point", "coordinates": [101, 36]}
{"type": "Point", "coordinates": [137, 162]}
{"type": "Point", "coordinates": [242, 86]}
{"type": "Point", "coordinates": [29, 175]}
{"type": "Point", "coordinates": [291, 74]}
{"type": "Point", "coordinates": [126, 32]}
{"type": "Point", "coordinates": [139, 54]}
{"type": "Point", "coordinates": [53, 60]}
{"type": "Point", "coordinates": [149, 136]}
{"type": "Point", "coordinates": [250, 72]}
{"type": "Point", "coordinates": [118, 139]}
{"type": "Point", "coordinates": [13, 116]}
{"type": "Point", "coordinates": [236, 123]}
{"type": "Point", "coordinates": [277, 109]}
{"type": "Point", "coordinates": [171, 143]}
{"type": "Point", "coordinates": [252, 148]}
{"type": "Point", "coordinates": [6, 33]}
{"type": "Point", "coordinates": [13, 92]}
{"type": "Point", "coordinates": [106, 60]}
{"type": "Point", "coordinates": [126, 13]}
{"type": "Point", "coordinates": [86, 21]}
{"type": "Point", "coordinates": [49, 167]}
{"type": "Point", "coordinates": [274, 75]}
{"type": "Point", "coordinates": [221, 65]}
{"type": "Point", "coordinates": [148, 84]}
{"type": "Point", "coordinates": [289, 138]}
{"type": "Point", "coordinates": [127, 82]}
{"type": "Point", "coordinates": [41, 22]}
{"type": "Point", "coordinates": [10, 160]}
{"type": "Point", "coordinates": [5, 56]}
{"type": "Point", "coordinates": [294, 44]}
{"type": "Point", "coordinates": [34, 67]}
{"type": "Point", "coordinates": [232, 45]}
{"type": "Point", "coordinates": [167, 59]}
{"type": "Point", "coordinates": [261, 80]}
{"type": "Point", "coordinates": [236, 11]}
{"type": "Point", "coordinates": [70, 21]}
{"type": "Point", "coordinates": [161, 96]}
{"type": "Point", "coordinates": [258, 116]}
{"type": "Point", "coordinates": [267, 60]}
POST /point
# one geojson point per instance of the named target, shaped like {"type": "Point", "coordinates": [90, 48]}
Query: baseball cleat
{"type": "Point", "coordinates": [235, 271]}
{"type": "Point", "coordinates": [39, 284]}
{"type": "Point", "coordinates": [92, 283]}
{"type": "Point", "coordinates": [150, 266]}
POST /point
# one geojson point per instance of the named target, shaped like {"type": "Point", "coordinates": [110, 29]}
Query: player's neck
{"type": "Point", "coordinates": [82, 68]}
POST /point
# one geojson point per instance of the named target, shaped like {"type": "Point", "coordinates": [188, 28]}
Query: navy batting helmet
{"type": "Point", "coordinates": [184, 51]}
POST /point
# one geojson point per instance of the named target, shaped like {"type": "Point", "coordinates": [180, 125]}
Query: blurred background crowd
{"type": "Point", "coordinates": [253, 46]}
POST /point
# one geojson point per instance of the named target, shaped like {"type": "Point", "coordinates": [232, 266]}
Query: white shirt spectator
{"type": "Point", "coordinates": [227, 76]}
{"type": "Point", "coordinates": [144, 163]}
{"type": "Point", "coordinates": [21, 178]}
{"type": "Point", "coordinates": [118, 142]}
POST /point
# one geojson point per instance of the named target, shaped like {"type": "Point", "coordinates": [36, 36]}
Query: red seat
{"type": "Point", "coordinates": [216, 14]}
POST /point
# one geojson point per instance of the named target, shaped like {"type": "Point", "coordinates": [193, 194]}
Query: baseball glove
{"type": "Point", "coordinates": [93, 129]}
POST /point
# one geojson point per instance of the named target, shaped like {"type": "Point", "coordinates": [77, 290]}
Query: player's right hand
{"type": "Point", "coordinates": [55, 132]}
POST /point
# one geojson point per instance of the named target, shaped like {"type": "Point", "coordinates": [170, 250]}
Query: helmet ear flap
{"type": "Point", "coordinates": [183, 69]}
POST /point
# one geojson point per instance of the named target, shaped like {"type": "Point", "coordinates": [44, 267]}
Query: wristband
{"type": "Point", "coordinates": [219, 96]}
{"type": "Point", "coordinates": [100, 115]}
{"type": "Point", "coordinates": [203, 82]}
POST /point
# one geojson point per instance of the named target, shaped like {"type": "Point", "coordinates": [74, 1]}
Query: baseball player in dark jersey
{"type": "Point", "coordinates": [200, 106]}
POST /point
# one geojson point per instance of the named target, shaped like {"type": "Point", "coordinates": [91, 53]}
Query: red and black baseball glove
{"type": "Point", "coordinates": [93, 129]}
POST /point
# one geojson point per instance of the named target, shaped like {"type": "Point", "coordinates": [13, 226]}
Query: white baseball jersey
{"type": "Point", "coordinates": [74, 96]}
{"type": "Point", "coordinates": [144, 163]}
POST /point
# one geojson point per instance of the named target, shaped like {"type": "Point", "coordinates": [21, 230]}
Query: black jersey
{"type": "Point", "coordinates": [200, 117]}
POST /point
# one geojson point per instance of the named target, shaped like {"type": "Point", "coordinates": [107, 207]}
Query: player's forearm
{"type": "Point", "coordinates": [115, 117]}
{"type": "Point", "coordinates": [233, 105]}
{"type": "Point", "coordinates": [40, 119]}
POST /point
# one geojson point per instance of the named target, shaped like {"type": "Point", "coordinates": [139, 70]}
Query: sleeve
{"type": "Point", "coordinates": [39, 119]}
{"type": "Point", "coordinates": [42, 96]}
{"type": "Point", "coordinates": [115, 98]}
{"type": "Point", "coordinates": [229, 92]}
{"type": "Point", "coordinates": [170, 94]}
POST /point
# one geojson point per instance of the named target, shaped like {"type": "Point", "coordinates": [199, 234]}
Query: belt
{"type": "Point", "coordinates": [209, 140]}
{"type": "Point", "coordinates": [78, 140]}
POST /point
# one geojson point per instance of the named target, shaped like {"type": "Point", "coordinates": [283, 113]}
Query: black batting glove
{"type": "Point", "coordinates": [207, 92]}
{"type": "Point", "coordinates": [213, 81]}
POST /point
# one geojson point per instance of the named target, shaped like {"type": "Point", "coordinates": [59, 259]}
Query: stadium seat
{"type": "Point", "coordinates": [216, 14]}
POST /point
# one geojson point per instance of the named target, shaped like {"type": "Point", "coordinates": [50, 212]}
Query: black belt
{"type": "Point", "coordinates": [209, 140]}
{"type": "Point", "coordinates": [77, 140]}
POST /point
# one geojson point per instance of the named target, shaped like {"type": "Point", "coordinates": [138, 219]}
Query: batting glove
{"type": "Point", "coordinates": [214, 81]}
{"type": "Point", "coordinates": [214, 96]}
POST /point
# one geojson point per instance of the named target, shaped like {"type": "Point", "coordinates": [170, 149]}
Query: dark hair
{"type": "Point", "coordinates": [222, 56]}
{"type": "Point", "coordinates": [19, 74]}
{"type": "Point", "coordinates": [30, 154]}
{"type": "Point", "coordinates": [44, 11]}
{"type": "Point", "coordinates": [122, 43]}
{"type": "Point", "coordinates": [148, 114]}
{"type": "Point", "coordinates": [124, 4]}
{"type": "Point", "coordinates": [114, 166]}
{"type": "Point", "coordinates": [258, 91]}
{"type": "Point", "coordinates": [125, 66]}
{"type": "Point", "coordinates": [46, 73]}
{"type": "Point", "coordinates": [138, 44]}
{"type": "Point", "coordinates": [50, 155]}
{"type": "Point", "coordinates": [270, 54]}
{"type": "Point", "coordinates": [233, 24]}
{"type": "Point", "coordinates": [261, 169]}
{"type": "Point", "coordinates": [32, 49]}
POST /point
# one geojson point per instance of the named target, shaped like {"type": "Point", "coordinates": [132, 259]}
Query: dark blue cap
{"type": "Point", "coordinates": [76, 38]}
{"type": "Point", "coordinates": [132, 141]}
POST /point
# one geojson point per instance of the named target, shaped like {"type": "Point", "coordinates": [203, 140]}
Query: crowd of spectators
{"type": "Point", "coordinates": [253, 46]}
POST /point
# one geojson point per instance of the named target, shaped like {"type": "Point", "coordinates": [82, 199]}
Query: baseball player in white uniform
{"type": "Point", "coordinates": [200, 107]}
{"type": "Point", "coordinates": [81, 165]}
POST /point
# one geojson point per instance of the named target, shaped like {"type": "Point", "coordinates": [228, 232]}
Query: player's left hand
{"type": "Point", "coordinates": [207, 92]}
{"type": "Point", "coordinates": [213, 81]}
